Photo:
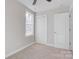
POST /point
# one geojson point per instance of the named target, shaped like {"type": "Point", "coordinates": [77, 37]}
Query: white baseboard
{"type": "Point", "coordinates": [18, 50]}
{"type": "Point", "coordinates": [51, 45]}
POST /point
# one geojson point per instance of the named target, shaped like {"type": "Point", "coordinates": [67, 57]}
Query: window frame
{"type": "Point", "coordinates": [29, 23]}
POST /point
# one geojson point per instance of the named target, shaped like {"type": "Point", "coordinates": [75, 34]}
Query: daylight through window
{"type": "Point", "coordinates": [29, 24]}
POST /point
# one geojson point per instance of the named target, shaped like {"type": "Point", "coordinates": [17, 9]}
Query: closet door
{"type": "Point", "coordinates": [41, 29]}
{"type": "Point", "coordinates": [61, 30]}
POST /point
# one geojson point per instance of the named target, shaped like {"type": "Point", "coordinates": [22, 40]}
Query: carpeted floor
{"type": "Point", "coordinates": [39, 51]}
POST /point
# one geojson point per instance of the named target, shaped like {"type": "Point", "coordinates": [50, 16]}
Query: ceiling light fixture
{"type": "Point", "coordinates": [49, 0]}
{"type": "Point", "coordinates": [34, 2]}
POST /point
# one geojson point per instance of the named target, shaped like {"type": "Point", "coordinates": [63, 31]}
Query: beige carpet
{"type": "Point", "coordinates": [39, 51]}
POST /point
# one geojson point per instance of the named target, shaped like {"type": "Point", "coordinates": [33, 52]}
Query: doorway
{"type": "Point", "coordinates": [61, 30]}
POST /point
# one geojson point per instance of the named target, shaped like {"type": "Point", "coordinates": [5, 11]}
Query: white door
{"type": "Point", "coordinates": [61, 30]}
{"type": "Point", "coordinates": [41, 29]}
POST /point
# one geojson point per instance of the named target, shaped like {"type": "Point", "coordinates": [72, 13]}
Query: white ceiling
{"type": "Point", "coordinates": [43, 5]}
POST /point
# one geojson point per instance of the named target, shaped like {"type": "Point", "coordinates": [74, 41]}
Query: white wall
{"type": "Point", "coordinates": [15, 27]}
{"type": "Point", "coordinates": [50, 26]}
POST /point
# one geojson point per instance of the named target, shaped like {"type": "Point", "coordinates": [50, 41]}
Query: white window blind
{"type": "Point", "coordinates": [29, 24]}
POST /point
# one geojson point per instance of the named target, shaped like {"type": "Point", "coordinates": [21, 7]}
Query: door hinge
{"type": "Point", "coordinates": [69, 43]}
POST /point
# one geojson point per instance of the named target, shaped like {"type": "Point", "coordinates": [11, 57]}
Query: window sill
{"type": "Point", "coordinates": [29, 34]}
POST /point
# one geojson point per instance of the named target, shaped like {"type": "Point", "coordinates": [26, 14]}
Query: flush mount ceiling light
{"type": "Point", "coordinates": [34, 2]}
{"type": "Point", "coordinates": [49, 0]}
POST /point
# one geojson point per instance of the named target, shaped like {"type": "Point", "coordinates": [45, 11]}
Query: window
{"type": "Point", "coordinates": [29, 24]}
